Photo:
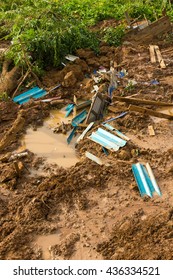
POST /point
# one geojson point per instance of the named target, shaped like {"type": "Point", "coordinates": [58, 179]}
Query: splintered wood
{"type": "Point", "coordinates": [152, 54]}
{"type": "Point", "coordinates": [155, 55]}
{"type": "Point", "coordinates": [151, 130]}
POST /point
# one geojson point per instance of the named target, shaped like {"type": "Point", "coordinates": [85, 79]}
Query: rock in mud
{"type": "Point", "coordinates": [69, 80]}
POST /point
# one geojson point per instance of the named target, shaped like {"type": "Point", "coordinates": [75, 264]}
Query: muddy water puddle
{"type": "Point", "coordinates": [53, 147]}
{"type": "Point", "coordinates": [45, 242]}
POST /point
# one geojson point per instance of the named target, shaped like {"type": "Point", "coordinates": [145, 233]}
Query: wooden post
{"type": "Point", "coordinates": [152, 54]}
{"type": "Point", "coordinates": [159, 57]}
{"type": "Point", "coordinates": [75, 104]}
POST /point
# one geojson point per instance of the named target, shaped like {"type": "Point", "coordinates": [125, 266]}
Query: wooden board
{"type": "Point", "coordinates": [147, 34]}
{"type": "Point", "coordinates": [141, 101]}
{"type": "Point", "coordinates": [159, 57]}
{"type": "Point", "coordinates": [149, 112]}
{"type": "Point", "coordinates": [151, 130]}
{"type": "Point", "coordinates": [152, 54]}
{"type": "Point", "coordinates": [74, 108]}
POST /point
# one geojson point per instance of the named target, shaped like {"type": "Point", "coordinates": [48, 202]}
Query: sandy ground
{"type": "Point", "coordinates": [88, 211]}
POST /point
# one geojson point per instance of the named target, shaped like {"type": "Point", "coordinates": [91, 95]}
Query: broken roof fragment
{"type": "Point", "coordinates": [35, 92]}
{"type": "Point", "coordinates": [119, 133]}
{"type": "Point", "coordinates": [107, 139]}
{"type": "Point", "coordinates": [79, 118]}
{"type": "Point", "coordinates": [145, 180]}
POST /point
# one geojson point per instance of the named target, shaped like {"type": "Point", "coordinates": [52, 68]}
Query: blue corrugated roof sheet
{"type": "Point", "coordinates": [69, 109]}
{"type": "Point", "coordinates": [145, 180]}
{"type": "Point", "coordinates": [107, 139]}
{"type": "Point", "coordinates": [120, 134]}
{"type": "Point", "coordinates": [79, 118]}
{"type": "Point", "coordinates": [35, 93]}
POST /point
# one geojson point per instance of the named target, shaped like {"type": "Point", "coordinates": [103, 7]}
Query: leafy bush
{"type": "Point", "coordinates": [42, 32]}
{"type": "Point", "coordinates": [4, 96]}
{"type": "Point", "coordinates": [113, 36]}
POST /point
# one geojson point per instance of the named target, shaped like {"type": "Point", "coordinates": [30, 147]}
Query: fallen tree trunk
{"type": "Point", "coordinates": [11, 134]}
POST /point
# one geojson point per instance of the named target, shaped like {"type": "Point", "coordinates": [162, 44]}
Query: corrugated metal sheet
{"type": "Point", "coordinates": [107, 139]}
{"type": "Point", "coordinates": [69, 109]}
{"type": "Point", "coordinates": [145, 180]}
{"type": "Point", "coordinates": [111, 137]}
{"type": "Point", "coordinates": [35, 93]}
{"type": "Point", "coordinates": [103, 142]}
{"type": "Point", "coordinates": [79, 118]}
{"type": "Point", "coordinates": [71, 135]}
{"type": "Point", "coordinates": [69, 106]}
{"type": "Point", "coordinates": [119, 133]}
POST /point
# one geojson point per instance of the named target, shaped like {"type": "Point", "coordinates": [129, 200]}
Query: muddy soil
{"type": "Point", "coordinates": [88, 211]}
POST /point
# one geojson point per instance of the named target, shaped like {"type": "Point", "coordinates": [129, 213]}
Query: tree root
{"type": "Point", "coordinates": [9, 79]}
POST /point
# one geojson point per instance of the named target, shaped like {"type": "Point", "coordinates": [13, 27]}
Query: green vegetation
{"type": "Point", "coordinates": [113, 36]}
{"type": "Point", "coordinates": [42, 32]}
{"type": "Point", "coordinates": [4, 96]}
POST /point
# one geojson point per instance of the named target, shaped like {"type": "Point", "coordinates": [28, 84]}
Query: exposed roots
{"type": "Point", "coordinates": [9, 79]}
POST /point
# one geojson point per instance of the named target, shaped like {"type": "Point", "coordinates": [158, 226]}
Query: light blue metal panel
{"type": "Point", "coordinates": [108, 126]}
{"type": "Point", "coordinates": [105, 151]}
{"type": "Point", "coordinates": [150, 185]}
{"type": "Point", "coordinates": [71, 135]}
{"type": "Point", "coordinates": [69, 106]}
{"type": "Point", "coordinates": [109, 136]}
{"type": "Point", "coordinates": [104, 142]}
{"type": "Point", "coordinates": [140, 180]}
{"type": "Point", "coordinates": [119, 133]}
{"type": "Point", "coordinates": [79, 118]}
{"type": "Point", "coordinates": [145, 179]}
{"type": "Point", "coordinates": [69, 110]}
{"type": "Point", "coordinates": [153, 180]}
{"type": "Point", "coordinates": [35, 92]}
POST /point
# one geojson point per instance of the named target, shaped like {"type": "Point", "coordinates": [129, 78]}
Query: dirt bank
{"type": "Point", "coordinates": [93, 211]}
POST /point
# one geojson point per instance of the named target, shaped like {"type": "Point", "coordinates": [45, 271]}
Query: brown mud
{"type": "Point", "coordinates": [88, 211]}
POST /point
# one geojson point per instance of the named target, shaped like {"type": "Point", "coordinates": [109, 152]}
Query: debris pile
{"type": "Point", "coordinates": [119, 112]}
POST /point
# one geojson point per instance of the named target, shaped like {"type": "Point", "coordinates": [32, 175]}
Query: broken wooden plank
{"type": "Point", "coordinates": [152, 53]}
{"type": "Point", "coordinates": [159, 57]}
{"type": "Point", "coordinates": [141, 101]}
{"type": "Point", "coordinates": [151, 130]}
{"type": "Point", "coordinates": [84, 132]}
{"type": "Point", "coordinates": [74, 108]}
{"type": "Point", "coordinates": [82, 125]}
{"type": "Point", "coordinates": [59, 101]}
{"type": "Point", "coordinates": [83, 105]}
{"type": "Point", "coordinates": [146, 35]}
{"type": "Point", "coordinates": [149, 112]}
